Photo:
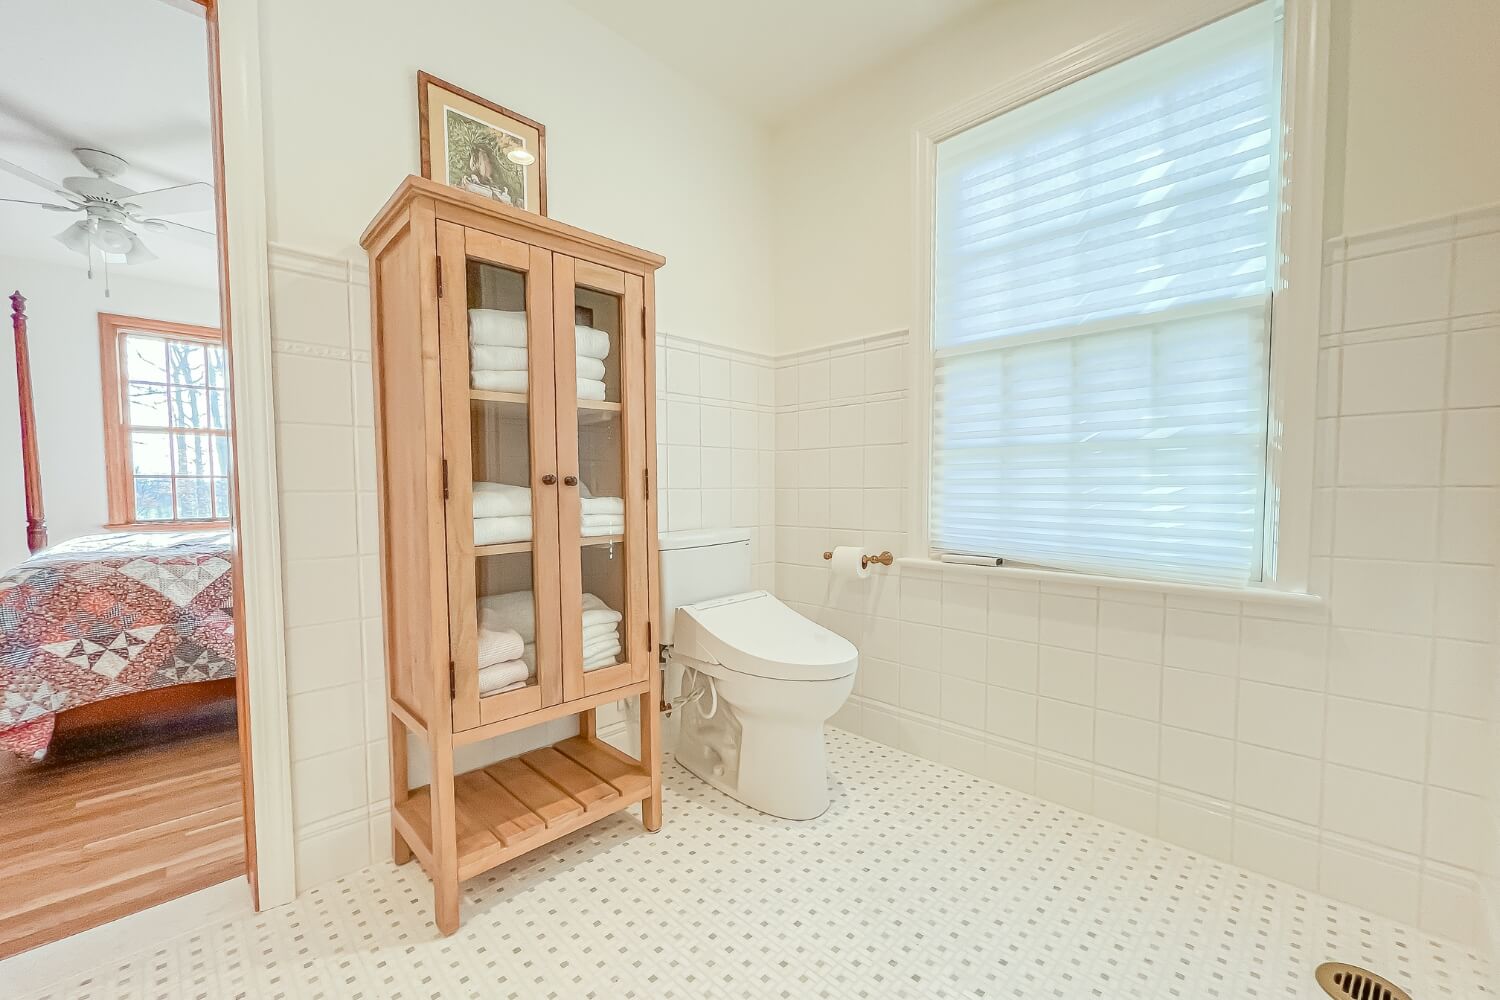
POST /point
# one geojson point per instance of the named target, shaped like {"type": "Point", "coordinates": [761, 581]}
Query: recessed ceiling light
{"type": "Point", "coordinates": [521, 156]}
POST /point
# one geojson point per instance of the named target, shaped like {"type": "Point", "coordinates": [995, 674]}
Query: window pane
{"type": "Point", "coordinates": [218, 409]}
{"type": "Point", "coordinates": [187, 363]}
{"type": "Point", "coordinates": [147, 404]}
{"type": "Point", "coordinates": [194, 499]}
{"type": "Point", "coordinates": [221, 462]}
{"type": "Point", "coordinates": [153, 498]}
{"type": "Point", "coordinates": [218, 367]}
{"type": "Point", "coordinates": [150, 454]}
{"type": "Point", "coordinates": [189, 407]}
{"type": "Point", "coordinates": [191, 454]}
{"type": "Point", "coordinates": [145, 358]}
{"type": "Point", "coordinates": [221, 498]}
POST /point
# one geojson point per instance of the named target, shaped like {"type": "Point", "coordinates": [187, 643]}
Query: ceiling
{"type": "Point", "coordinates": [767, 57]}
{"type": "Point", "coordinates": [126, 76]}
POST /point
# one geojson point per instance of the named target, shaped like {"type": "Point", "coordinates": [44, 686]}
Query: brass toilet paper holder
{"type": "Point", "coordinates": [885, 559]}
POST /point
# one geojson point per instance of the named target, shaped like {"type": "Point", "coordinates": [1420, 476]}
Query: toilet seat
{"type": "Point", "coordinates": [756, 635]}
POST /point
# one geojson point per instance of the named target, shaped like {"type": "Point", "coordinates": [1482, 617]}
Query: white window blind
{"type": "Point", "coordinates": [1103, 271]}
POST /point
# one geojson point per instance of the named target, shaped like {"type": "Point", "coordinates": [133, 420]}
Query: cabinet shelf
{"type": "Point", "coordinates": [502, 548]}
{"type": "Point", "coordinates": [509, 808]}
{"type": "Point", "coordinates": [589, 410]}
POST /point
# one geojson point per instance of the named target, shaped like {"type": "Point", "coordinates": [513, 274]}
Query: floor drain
{"type": "Point", "coordinates": [1350, 982]}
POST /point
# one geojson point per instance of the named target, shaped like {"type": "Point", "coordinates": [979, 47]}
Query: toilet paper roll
{"type": "Point", "coordinates": [846, 562]}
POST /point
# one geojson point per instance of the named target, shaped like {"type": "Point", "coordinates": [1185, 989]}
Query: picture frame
{"type": "Point", "coordinates": [477, 145]}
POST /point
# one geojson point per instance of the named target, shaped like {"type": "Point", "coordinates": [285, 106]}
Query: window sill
{"type": "Point", "coordinates": [166, 526]}
{"type": "Point", "coordinates": [1245, 595]}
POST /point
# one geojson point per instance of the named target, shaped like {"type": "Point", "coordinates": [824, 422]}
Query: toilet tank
{"type": "Point", "coordinates": [700, 566]}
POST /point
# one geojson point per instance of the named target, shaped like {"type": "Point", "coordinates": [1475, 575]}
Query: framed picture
{"type": "Point", "coordinates": [479, 146]}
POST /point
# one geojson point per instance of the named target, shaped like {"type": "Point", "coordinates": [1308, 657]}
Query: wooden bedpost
{"type": "Point", "coordinates": [36, 518]}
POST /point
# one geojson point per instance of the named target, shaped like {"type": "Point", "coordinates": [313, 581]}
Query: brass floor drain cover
{"type": "Point", "coordinates": [1350, 982]}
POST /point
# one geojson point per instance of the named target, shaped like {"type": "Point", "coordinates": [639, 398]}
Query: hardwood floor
{"type": "Point", "coordinates": [116, 820]}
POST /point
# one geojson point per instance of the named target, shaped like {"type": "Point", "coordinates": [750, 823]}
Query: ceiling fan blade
{"type": "Point", "coordinates": [138, 253]}
{"type": "Point", "coordinates": [44, 204]}
{"type": "Point", "coordinates": [192, 234]}
{"type": "Point", "coordinates": [39, 181]}
{"type": "Point", "coordinates": [194, 197]}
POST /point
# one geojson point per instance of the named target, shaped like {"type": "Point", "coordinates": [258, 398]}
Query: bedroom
{"type": "Point", "coordinates": [120, 770]}
{"type": "Point", "coordinates": [975, 498]}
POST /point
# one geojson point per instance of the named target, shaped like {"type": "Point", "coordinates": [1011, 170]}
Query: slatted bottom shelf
{"type": "Point", "coordinates": [509, 808]}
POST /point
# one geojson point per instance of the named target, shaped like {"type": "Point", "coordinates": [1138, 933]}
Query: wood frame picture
{"type": "Point", "coordinates": [480, 146]}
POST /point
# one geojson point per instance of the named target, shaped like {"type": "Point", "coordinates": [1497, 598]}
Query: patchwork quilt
{"type": "Point", "coordinates": [106, 615]}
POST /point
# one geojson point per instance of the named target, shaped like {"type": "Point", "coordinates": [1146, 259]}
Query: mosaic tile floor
{"type": "Point", "coordinates": [920, 881]}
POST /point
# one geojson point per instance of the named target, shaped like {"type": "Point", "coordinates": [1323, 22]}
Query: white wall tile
{"type": "Point", "coordinates": [1474, 367]}
{"type": "Point", "coordinates": [1383, 738]}
{"type": "Point", "coordinates": [1476, 277]}
{"type": "Point", "coordinates": [1384, 596]}
{"type": "Point", "coordinates": [1279, 783]}
{"type": "Point", "coordinates": [1373, 807]}
{"type": "Point", "coordinates": [1281, 718]}
{"type": "Point", "coordinates": [1201, 702]}
{"type": "Point", "coordinates": [1369, 880]}
{"type": "Point", "coordinates": [1392, 288]}
{"type": "Point", "coordinates": [1129, 687]}
{"type": "Point", "coordinates": [1366, 521]}
{"type": "Point", "coordinates": [1131, 631]}
{"type": "Point", "coordinates": [1011, 714]}
{"type": "Point", "coordinates": [1198, 762]}
{"type": "Point", "coordinates": [1393, 375]}
{"type": "Point", "coordinates": [1065, 728]}
{"type": "Point", "coordinates": [1202, 641]}
{"type": "Point", "coordinates": [1279, 849]}
{"type": "Point", "coordinates": [1377, 666]}
{"type": "Point", "coordinates": [1127, 743]}
{"type": "Point", "coordinates": [1390, 450]}
{"type": "Point", "coordinates": [1470, 457]}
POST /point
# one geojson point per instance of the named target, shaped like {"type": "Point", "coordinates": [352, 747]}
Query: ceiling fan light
{"type": "Point", "coordinates": [112, 237]}
{"type": "Point", "coordinates": [76, 238]}
{"type": "Point", "coordinates": [139, 253]}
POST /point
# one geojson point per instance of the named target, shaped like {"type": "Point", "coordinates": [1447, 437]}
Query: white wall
{"type": "Point", "coordinates": [1411, 86]}
{"type": "Point", "coordinates": [634, 152]}
{"type": "Point", "coordinates": [63, 308]}
{"type": "Point", "coordinates": [1177, 716]}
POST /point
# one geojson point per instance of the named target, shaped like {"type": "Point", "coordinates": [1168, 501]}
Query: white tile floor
{"type": "Point", "coordinates": [920, 881]}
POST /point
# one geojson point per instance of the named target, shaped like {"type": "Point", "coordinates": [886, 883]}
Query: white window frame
{"type": "Point", "coordinates": [1296, 312]}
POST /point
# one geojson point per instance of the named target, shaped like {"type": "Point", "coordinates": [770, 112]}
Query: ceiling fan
{"type": "Point", "coordinates": [113, 214]}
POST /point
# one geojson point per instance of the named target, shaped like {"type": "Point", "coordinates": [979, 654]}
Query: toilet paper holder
{"type": "Point", "coordinates": [885, 559]}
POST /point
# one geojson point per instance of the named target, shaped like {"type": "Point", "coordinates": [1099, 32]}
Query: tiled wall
{"type": "Point", "coordinates": [715, 443]}
{"type": "Point", "coordinates": [1343, 749]}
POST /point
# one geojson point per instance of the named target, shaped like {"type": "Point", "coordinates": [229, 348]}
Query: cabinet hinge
{"type": "Point", "coordinates": [445, 479]}
{"type": "Point", "coordinates": [452, 684]}
{"type": "Point", "coordinates": [440, 275]}
{"type": "Point", "coordinates": [647, 475]}
{"type": "Point", "coordinates": [650, 638]}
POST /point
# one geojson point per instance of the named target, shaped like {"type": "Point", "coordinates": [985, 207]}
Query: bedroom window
{"type": "Point", "coordinates": [1104, 260]}
{"type": "Point", "coordinates": [166, 422]}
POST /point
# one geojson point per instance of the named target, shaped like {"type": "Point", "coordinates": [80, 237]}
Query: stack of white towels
{"type": "Point", "coordinates": [514, 615]}
{"type": "Point", "coordinates": [497, 353]}
{"type": "Point", "coordinates": [506, 661]}
{"type": "Point", "coordinates": [502, 513]}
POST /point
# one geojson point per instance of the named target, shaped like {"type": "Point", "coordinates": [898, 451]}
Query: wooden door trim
{"type": "Point", "coordinates": [569, 550]}
{"type": "Point", "coordinates": [233, 40]}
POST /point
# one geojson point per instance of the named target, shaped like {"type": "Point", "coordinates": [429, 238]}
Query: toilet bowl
{"type": "Point", "coordinates": [760, 682]}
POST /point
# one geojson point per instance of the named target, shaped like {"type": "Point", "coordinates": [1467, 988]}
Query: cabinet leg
{"type": "Point", "coordinates": [650, 721]}
{"type": "Point", "coordinates": [445, 906]}
{"type": "Point", "coordinates": [400, 850]}
{"type": "Point", "coordinates": [587, 724]}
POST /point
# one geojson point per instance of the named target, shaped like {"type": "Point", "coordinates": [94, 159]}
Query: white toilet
{"type": "Point", "coordinates": [762, 679]}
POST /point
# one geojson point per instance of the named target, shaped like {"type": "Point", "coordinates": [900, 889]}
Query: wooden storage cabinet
{"type": "Point", "coordinates": [514, 395]}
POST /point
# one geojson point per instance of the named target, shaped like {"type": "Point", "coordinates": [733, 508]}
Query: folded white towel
{"type": "Point", "coordinates": [597, 630]}
{"type": "Point", "coordinates": [498, 675]}
{"type": "Point", "coordinates": [502, 328]}
{"type": "Point", "coordinates": [514, 611]}
{"type": "Point", "coordinates": [498, 646]}
{"type": "Point", "coordinates": [497, 328]}
{"type": "Point", "coordinates": [503, 381]}
{"type": "Point", "coordinates": [602, 660]}
{"type": "Point", "coordinates": [501, 500]}
{"type": "Point", "coordinates": [498, 381]}
{"type": "Point", "coordinates": [593, 506]}
{"type": "Point", "coordinates": [518, 685]}
{"type": "Point", "coordinates": [499, 530]}
{"type": "Point", "coordinates": [610, 646]}
{"type": "Point", "coordinates": [590, 343]}
{"type": "Point", "coordinates": [590, 368]}
{"type": "Point", "coordinates": [505, 359]}
{"type": "Point", "coordinates": [605, 520]}
{"type": "Point", "coordinates": [602, 528]}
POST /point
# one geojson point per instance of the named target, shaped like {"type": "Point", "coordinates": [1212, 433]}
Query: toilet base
{"type": "Point", "coordinates": [808, 805]}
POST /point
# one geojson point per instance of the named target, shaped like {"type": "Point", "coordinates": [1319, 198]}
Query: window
{"type": "Point", "coordinates": [1104, 258]}
{"type": "Point", "coordinates": [166, 422]}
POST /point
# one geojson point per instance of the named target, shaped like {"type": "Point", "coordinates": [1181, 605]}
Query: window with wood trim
{"type": "Point", "coordinates": [166, 422]}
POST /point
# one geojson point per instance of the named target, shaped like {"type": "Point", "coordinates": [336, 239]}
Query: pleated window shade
{"type": "Point", "coordinates": [1103, 273]}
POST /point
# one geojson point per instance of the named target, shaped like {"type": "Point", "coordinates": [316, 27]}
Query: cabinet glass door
{"type": "Point", "coordinates": [600, 373]}
{"type": "Point", "coordinates": [499, 431]}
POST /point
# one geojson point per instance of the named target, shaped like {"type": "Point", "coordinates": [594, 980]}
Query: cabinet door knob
{"type": "Point", "coordinates": [549, 479]}
{"type": "Point", "coordinates": [570, 480]}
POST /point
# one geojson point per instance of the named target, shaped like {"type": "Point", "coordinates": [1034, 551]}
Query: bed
{"type": "Point", "coordinates": [107, 627]}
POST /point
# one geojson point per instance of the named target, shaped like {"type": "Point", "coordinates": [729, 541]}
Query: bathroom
{"type": "Point", "coordinates": [1056, 774]}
